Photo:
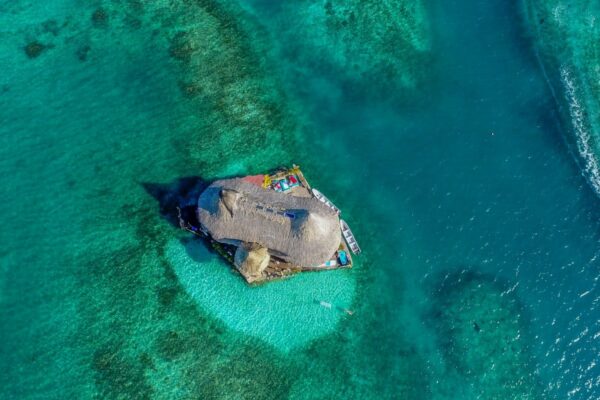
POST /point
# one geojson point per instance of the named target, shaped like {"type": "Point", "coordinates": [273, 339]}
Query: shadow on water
{"type": "Point", "coordinates": [181, 193]}
{"type": "Point", "coordinates": [197, 249]}
{"type": "Point", "coordinates": [177, 201]}
{"type": "Point", "coordinates": [181, 196]}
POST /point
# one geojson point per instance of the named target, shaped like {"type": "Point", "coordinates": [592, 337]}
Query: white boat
{"type": "Point", "coordinates": [349, 237]}
{"type": "Point", "coordinates": [321, 197]}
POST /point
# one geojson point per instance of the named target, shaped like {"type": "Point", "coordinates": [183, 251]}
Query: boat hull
{"type": "Point", "coordinates": [349, 237]}
{"type": "Point", "coordinates": [321, 197]}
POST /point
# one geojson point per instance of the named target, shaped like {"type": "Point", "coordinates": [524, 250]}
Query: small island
{"type": "Point", "coordinates": [271, 226]}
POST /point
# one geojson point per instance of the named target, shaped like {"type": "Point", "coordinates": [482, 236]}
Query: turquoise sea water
{"type": "Point", "coordinates": [431, 124]}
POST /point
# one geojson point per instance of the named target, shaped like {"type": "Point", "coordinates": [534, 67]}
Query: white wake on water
{"type": "Point", "coordinates": [582, 134]}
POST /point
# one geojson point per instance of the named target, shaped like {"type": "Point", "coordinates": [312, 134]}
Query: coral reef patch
{"type": "Point", "coordinates": [233, 89]}
{"type": "Point", "coordinates": [34, 49]}
{"type": "Point", "coordinates": [377, 43]}
{"type": "Point", "coordinates": [482, 332]}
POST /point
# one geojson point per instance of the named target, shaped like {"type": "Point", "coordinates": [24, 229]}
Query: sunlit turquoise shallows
{"type": "Point", "coordinates": [285, 313]}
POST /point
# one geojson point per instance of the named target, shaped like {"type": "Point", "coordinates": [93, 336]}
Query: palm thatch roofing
{"type": "Point", "coordinates": [300, 230]}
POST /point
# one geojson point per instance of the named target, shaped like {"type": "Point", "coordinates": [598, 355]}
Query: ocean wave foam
{"type": "Point", "coordinates": [583, 136]}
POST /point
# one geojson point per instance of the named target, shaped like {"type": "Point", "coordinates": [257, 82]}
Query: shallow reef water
{"type": "Point", "coordinates": [285, 314]}
{"type": "Point", "coordinates": [244, 114]}
{"type": "Point", "coordinates": [102, 125]}
{"type": "Point", "coordinates": [430, 124]}
{"type": "Point", "coordinates": [362, 43]}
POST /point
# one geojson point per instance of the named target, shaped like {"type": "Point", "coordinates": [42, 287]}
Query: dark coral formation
{"type": "Point", "coordinates": [117, 376]}
{"type": "Point", "coordinates": [34, 49]}
{"type": "Point", "coordinates": [382, 43]}
{"type": "Point", "coordinates": [181, 47]}
{"type": "Point", "coordinates": [52, 26]}
{"type": "Point", "coordinates": [483, 333]}
{"type": "Point", "coordinates": [100, 18]}
{"type": "Point", "coordinates": [224, 71]}
{"type": "Point", "coordinates": [82, 52]}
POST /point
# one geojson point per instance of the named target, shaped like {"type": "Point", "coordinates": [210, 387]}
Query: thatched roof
{"type": "Point", "coordinates": [234, 211]}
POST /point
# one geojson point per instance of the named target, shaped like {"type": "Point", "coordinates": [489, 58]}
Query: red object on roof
{"type": "Point", "coordinates": [254, 179]}
{"type": "Point", "coordinates": [292, 179]}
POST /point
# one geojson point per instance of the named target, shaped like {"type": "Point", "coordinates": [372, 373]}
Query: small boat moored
{"type": "Point", "coordinates": [269, 226]}
{"type": "Point", "coordinates": [349, 237]}
{"type": "Point", "coordinates": [321, 197]}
